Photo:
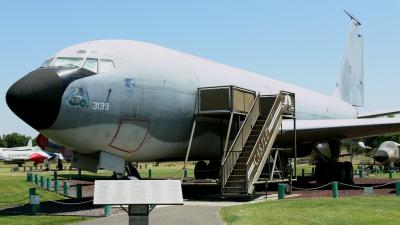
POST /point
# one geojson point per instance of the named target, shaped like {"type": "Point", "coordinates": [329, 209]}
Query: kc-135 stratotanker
{"type": "Point", "coordinates": [120, 101]}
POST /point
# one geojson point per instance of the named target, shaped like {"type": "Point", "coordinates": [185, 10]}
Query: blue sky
{"type": "Point", "coordinates": [300, 42]}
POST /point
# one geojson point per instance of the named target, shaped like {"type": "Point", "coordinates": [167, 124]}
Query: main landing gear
{"type": "Point", "coordinates": [337, 171]}
{"type": "Point", "coordinates": [202, 170]}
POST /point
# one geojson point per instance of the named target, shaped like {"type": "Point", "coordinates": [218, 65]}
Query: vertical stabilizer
{"type": "Point", "coordinates": [350, 87]}
{"type": "Point", "coordinates": [30, 143]}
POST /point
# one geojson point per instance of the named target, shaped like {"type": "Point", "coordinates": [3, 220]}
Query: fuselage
{"type": "Point", "coordinates": [22, 154]}
{"type": "Point", "coordinates": [143, 108]}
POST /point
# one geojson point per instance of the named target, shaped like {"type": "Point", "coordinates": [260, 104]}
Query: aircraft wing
{"type": "Point", "coordinates": [322, 130]}
{"type": "Point", "coordinates": [379, 113]}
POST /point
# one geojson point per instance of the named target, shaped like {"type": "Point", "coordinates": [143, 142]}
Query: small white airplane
{"type": "Point", "coordinates": [22, 154]}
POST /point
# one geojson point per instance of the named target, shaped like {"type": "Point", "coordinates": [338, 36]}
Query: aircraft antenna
{"type": "Point", "coordinates": [352, 17]}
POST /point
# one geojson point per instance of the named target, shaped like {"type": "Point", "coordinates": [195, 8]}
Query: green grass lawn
{"type": "Point", "coordinates": [352, 210]}
{"type": "Point", "coordinates": [15, 182]}
{"type": "Point", "coordinates": [165, 170]}
{"type": "Point", "coordinates": [396, 176]}
{"type": "Point", "coordinates": [307, 169]}
{"type": "Point", "coordinates": [39, 220]}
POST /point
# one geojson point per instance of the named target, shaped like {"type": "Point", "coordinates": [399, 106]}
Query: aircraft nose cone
{"type": "Point", "coordinates": [36, 98]}
{"type": "Point", "coordinates": [381, 156]}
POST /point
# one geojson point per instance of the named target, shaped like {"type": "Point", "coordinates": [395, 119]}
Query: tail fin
{"type": "Point", "coordinates": [30, 143]}
{"type": "Point", "coordinates": [350, 87]}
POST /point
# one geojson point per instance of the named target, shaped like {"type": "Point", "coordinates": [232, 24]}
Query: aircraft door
{"type": "Point", "coordinates": [130, 135]}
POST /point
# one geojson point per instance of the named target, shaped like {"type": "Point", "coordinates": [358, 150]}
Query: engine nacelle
{"type": "Point", "coordinates": [49, 145]}
{"type": "Point", "coordinates": [388, 152]}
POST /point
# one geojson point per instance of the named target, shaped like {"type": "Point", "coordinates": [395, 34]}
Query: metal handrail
{"type": "Point", "coordinates": [266, 133]}
{"type": "Point", "coordinates": [232, 155]}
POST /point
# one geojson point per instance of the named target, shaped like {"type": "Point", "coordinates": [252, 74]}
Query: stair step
{"type": "Point", "coordinates": [236, 183]}
{"type": "Point", "coordinates": [238, 170]}
{"type": "Point", "coordinates": [240, 181]}
{"type": "Point", "coordinates": [250, 143]}
{"type": "Point", "coordinates": [243, 158]}
{"type": "Point", "coordinates": [258, 127]}
{"type": "Point", "coordinates": [240, 166]}
{"type": "Point", "coordinates": [237, 174]}
{"type": "Point", "coordinates": [234, 189]}
{"type": "Point", "coordinates": [253, 137]}
{"type": "Point", "coordinates": [260, 122]}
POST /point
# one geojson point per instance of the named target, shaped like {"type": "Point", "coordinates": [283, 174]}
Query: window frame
{"type": "Point", "coordinates": [98, 62]}
{"type": "Point", "coordinates": [106, 59]}
{"type": "Point", "coordinates": [83, 59]}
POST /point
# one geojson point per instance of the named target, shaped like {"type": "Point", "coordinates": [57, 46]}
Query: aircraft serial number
{"type": "Point", "coordinates": [102, 106]}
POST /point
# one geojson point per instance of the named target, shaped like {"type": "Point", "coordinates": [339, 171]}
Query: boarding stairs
{"type": "Point", "coordinates": [244, 161]}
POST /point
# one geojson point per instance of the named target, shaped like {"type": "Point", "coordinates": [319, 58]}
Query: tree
{"type": "Point", "coordinates": [3, 144]}
{"type": "Point", "coordinates": [375, 142]}
{"type": "Point", "coordinates": [14, 140]}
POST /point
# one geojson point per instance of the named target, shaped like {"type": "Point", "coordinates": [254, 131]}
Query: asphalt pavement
{"type": "Point", "coordinates": [193, 212]}
{"type": "Point", "coordinates": [169, 215]}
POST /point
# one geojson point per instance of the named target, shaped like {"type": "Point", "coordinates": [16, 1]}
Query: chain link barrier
{"type": "Point", "coordinates": [65, 203]}
{"type": "Point", "coordinates": [15, 193]}
{"type": "Point", "coordinates": [344, 184]}
{"type": "Point", "coordinates": [362, 187]}
{"type": "Point", "coordinates": [311, 189]}
{"type": "Point", "coordinates": [15, 201]}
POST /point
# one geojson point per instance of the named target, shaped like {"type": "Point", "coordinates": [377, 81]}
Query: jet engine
{"type": "Point", "coordinates": [388, 153]}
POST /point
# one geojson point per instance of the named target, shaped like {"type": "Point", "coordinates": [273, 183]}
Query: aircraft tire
{"type": "Point", "coordinates": [200, 170]}
{"type": "Point", "coordinates": [119, 176]}
{"type": "Point", "coordinates": [339, 173]}
{"type": "Point", "coordinates": [322, 173]}
{"type": "Point", "coordinates": [348, 171]}
{"type": "Point", "coordinates": [214, 169]}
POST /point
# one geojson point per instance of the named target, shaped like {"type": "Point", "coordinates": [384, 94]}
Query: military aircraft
{"type": "Point", "coordinates": [119, 101]}
{"type": "Point", "coordinates": [388, 153]}
{"type": "Point", "coordinates": [22, 154]}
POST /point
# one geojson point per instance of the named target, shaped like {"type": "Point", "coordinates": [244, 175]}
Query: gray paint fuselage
{"type": "Point", "coordinates": [153, 91]}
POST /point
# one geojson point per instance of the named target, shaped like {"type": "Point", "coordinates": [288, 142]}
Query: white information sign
{"type": "Point", "coordinates": [137, 192]}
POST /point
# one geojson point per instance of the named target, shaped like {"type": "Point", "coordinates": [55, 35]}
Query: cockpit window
{"type": "Point", "coordinates": [47, 62]}
{"type": "Point", "coordinates": [91, 64]}
{"type": "Point", "coordinates": [106, 65]}
{"type": "Point", "coordinates": [68, 62]}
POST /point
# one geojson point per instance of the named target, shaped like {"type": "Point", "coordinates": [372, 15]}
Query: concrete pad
{"type": "Point", "coordinates": [169, 215]}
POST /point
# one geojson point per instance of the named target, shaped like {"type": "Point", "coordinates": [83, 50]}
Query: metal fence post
{"type": "Point", "coordinates": [390, 174]}
{"type": "Point", "coordinates": [335, 190]}
{"type": "Point", "coordinates": [66, 188]}
{"type": "Point", "coordinates": [42, 181]}
{"type": "Point", "coordinates": [281, 191]}
{"type": "Point", "coordinates": [48, 183]}
{"type": "Point", "coordinates": [34, 200]}
{"type": "Point", "coordinates": [32, 191]}
{"type": "Point", "coordinates": [56, 185]}
{"type": "Point", "coordinates": [28, 177]}
{"type": "Point", "coordinates": [149, 173]}
{"type": "Point", "coordinates": [55, 175]}
{"type": "Point", "coordinates": [107, 210]}
{"type": "Point", "coordinates": [302, 172]}
{"type": "Point", "coordinates": [36, 179]}
{"type": "Point", "coordinates": [78, 191]}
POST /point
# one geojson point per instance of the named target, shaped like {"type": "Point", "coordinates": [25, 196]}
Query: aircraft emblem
{"type": "Point", "coordinates": [77, 98]}
{"type": "Point", "coordinates": [129, 83]}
